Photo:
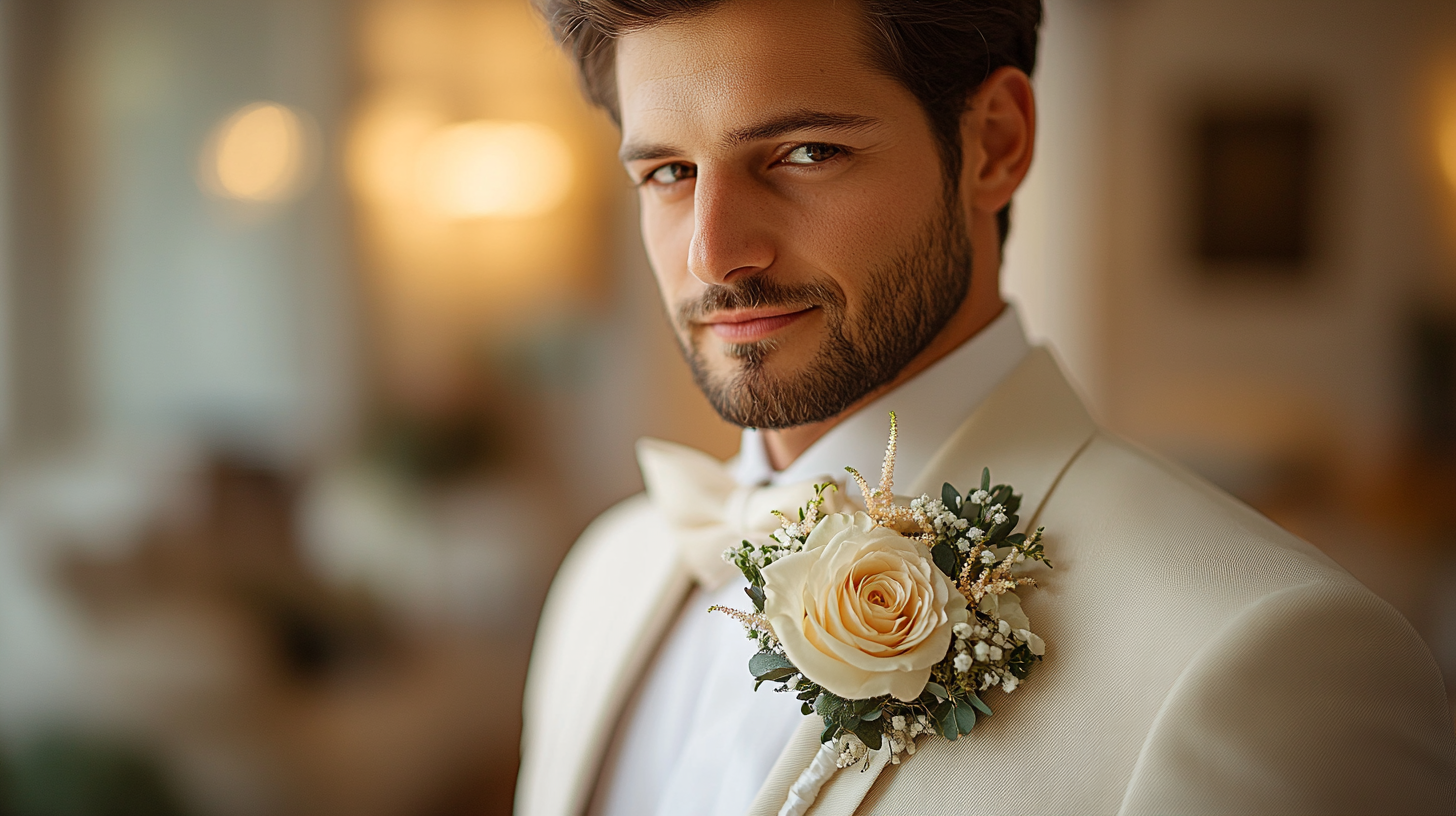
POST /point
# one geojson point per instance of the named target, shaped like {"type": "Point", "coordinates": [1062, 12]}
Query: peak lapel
{"type": "Point", "coordinates": [1027, 432]}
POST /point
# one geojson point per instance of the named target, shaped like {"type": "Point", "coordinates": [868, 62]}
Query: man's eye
{"type": "Point", "coordinates": [670, 173]}
{"type": "Point", "coordinates": [812, 154]}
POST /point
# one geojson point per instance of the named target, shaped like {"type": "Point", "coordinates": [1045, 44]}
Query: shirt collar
{"type": "Point", "coordinates": [929, 408]}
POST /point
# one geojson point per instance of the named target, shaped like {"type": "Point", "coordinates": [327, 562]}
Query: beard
{"type": "Point", "coordinates": [907, 300]}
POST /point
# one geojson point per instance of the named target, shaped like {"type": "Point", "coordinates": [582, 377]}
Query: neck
{"type": "Point", "coordinates": [784, 445]}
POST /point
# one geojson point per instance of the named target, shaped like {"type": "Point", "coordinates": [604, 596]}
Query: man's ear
{"type": "Point", "coordinates": [998, 130]}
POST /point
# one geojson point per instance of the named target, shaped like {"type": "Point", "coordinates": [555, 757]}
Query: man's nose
{"type": "Point", "coordinates": [731, 237]}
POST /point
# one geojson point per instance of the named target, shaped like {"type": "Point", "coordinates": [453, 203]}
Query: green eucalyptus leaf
{"type": "Point", "coordinates": [764, 662]}
{"type": "Point", "coordinates": [1000, 530]}
{"type": "Point", "coordinates": [970, 511]}
{"type": "Point", "coordinates": [965, 718]}
{"type": "Point", "coordinates": [830, 707]}
{"type": "Point", "coordinates": [938, 690]}
{"type": "Point", "coordinates": [986, 479]}
{"type": "Point", "coordinates": [757, 596]}
{"type": "Point", "coordinates": [869, 734]}
{"type": "Point", "coordinates": [806, 709]}
{"type": "Point", "coordinates": [871, 716]}
{"type": "Point", "coordinates": [950, 497]}
{"type": "Point", "coordinates": [778, 674]}
{"type": "Point", "coordinates": [945, 558]}
{"type": "Point", "coordinates": [830, 729]}
{"type": "Point", "coordinates": [945, 717]}
{"type": "Point", "coordinates": [980, 705]}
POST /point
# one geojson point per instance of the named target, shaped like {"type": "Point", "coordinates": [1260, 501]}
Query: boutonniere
{"type": "Point", "coordinates": [891, 622]}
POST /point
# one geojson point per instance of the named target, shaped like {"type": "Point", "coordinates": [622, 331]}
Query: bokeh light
{"type": "Point", "coordinates": [256, 154]}
{"type": "Point", "coordinates": [496, 169]}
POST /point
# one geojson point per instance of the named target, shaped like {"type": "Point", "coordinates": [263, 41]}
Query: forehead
{"type": "Point", "coordinates": [748, 60]}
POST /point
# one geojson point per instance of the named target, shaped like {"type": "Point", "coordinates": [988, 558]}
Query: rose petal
{"type": "Point", "coordinates": [862, 611]}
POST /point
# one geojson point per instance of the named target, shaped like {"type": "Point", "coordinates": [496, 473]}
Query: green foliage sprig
{"type": "Point", "coordinates": [969, 537]}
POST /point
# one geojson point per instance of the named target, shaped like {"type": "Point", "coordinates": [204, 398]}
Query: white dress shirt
{"type": "Point", "coordinates": [697, 738]}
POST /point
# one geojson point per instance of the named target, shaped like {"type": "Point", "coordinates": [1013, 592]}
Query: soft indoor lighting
{"type": "Point", "coordinates": [1446, 137]}
{"type": "Point", "coordinates": [256, 154]}
{"type": "Point", "coordinates": [494, 169]}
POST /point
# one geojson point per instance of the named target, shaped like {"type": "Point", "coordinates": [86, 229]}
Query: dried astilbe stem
{"type": "Point", "coordinates": [880, 501]}
{"type": "Point", "coordinates": [991, 580]}
{"type": "Point", "coordinates": [752, 621]}
{"type": "Point", "coordinates": [810, 513]}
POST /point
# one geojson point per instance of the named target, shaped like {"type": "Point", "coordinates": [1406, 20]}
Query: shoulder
{"type": "Point", "coordinates": [630, 532]}
{"type": "Point", "coordinates": [627, 523]}
{"type": "Point", "coordinates": [625, 546]}
{"type": "Point", "coordinates": [1294, 688]}
{"type": "Point", "coordinates": [1315, 698]}
{"type": "Point", "coordinates": [1179, 524]}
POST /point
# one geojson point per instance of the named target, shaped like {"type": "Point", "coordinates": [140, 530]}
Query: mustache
{"type": "Point", "coordinates": [758, 292]}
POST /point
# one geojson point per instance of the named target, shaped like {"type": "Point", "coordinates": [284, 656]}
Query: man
{"type": "Point", "coordinates": [824, 190]}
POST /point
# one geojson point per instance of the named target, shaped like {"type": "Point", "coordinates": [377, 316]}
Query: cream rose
{"type": "Point", "coordinates": [861, 610]}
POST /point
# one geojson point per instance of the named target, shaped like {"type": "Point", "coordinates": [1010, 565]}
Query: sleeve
{"type": "Point", "coordinates": [1319, 698]}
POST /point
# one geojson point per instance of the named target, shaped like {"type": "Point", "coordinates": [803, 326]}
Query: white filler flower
{"type": "Point", "coordinates": [861, 610]}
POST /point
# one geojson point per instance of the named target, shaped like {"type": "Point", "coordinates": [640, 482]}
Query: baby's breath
{"type": "Point", "coordinates": [967, 536]}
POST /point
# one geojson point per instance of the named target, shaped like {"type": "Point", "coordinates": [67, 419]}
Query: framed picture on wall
{"type": "Point", "coordinates": [1255, 189]}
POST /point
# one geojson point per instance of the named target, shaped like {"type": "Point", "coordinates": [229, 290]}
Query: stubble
{"type": "Point", "coordinates": [907, 302]}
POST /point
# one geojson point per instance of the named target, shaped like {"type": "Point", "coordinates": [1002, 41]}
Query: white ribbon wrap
{"type": "Point", "coordinates": [806, 788]}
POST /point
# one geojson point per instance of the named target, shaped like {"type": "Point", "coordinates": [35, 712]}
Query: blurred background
{"type": "Point", "coordinates": [325, 328]}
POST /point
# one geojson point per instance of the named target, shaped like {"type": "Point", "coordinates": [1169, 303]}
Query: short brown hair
{"type": "Point", "coordinates": [940, 50]}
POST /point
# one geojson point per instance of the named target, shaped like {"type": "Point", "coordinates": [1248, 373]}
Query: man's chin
{"type": "Point", "coordinates": [762, 360]}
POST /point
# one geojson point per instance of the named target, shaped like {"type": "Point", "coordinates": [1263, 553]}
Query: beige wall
{"type": "Point", "coordinates": [1241, 378]}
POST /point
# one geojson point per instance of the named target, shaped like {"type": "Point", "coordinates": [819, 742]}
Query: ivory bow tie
{"type": "Point", "coordinates": [710, 512]}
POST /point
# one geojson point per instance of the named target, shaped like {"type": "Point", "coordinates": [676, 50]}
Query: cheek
{"type": "Point", "coordinates": [856, 229]}
{"type": "Point", "coordinates": [666, 235]}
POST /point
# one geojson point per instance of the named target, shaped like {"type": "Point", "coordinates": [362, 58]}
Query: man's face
{"type": "Point", "coordinates": [793, 204]}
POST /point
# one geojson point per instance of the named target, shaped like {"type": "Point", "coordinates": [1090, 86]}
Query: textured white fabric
{"type": "Point", "coordinates": [709, 511]}
{"type": "Point", "coordinates": [706, 741]}
{"type": "Point", "coordinates": [1199, 659]}
{"type": "Point", "coordinates": [696, 738]}
{"type": "Point", "coordinates": [616, 592]}
{"type": "Point", "coordinates": [806, 788]}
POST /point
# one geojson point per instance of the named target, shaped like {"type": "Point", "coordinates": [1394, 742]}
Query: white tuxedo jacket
{"type": "Point", "coordinates": [1199, 658]}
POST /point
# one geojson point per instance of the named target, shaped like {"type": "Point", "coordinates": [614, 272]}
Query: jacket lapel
{"type": "Point", "coordinates": [610, 605]}
{"type": "Point", "coordinates": [1027, 432]}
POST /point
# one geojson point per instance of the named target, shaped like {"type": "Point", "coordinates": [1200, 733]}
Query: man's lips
{"type": "Point", "coordinates": [751, 325]}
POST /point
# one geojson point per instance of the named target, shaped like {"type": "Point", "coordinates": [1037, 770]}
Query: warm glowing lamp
{"type": "Point", "coordinates": [256, 154]}
{"type": "Point", "coordinates": [494, 169]}
{"type": "Point", "coordinates": [1446, 142]}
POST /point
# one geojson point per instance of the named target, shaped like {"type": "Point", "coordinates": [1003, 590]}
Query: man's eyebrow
{"type": "Point", "coordinates": [631, 152]}
{"type": "Point", "coordinates": [800, 120]}
{"type": "Point", "coordinates": [767, 129]}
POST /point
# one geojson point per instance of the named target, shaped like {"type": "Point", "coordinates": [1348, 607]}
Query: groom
{"type": "Point", "coordinates": [825, 188]}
